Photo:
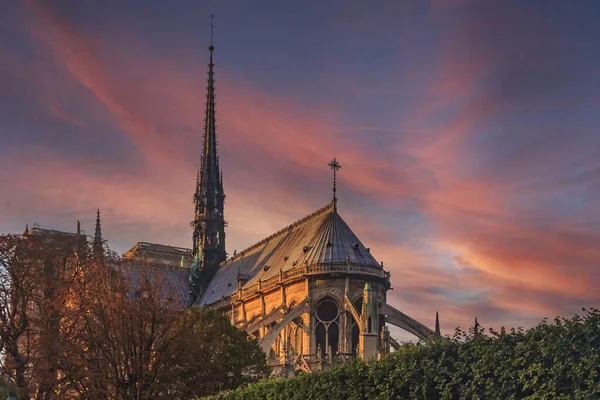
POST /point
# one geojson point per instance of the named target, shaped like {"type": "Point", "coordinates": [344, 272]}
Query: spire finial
{"type": "Point", "coordinates": [335, 166]}
{"type": "Point", "coordinates": [212, 26]}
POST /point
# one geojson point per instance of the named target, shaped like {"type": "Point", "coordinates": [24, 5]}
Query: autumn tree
{"type": "Point", "coordinates": [135, 340]}
{"type": "Point", "coordinates": [35, 277]}
{"type": "Point", "coordinates": [17, 287]}
{"type": "Point", "coordinates": [125, 330]}
{"type": "Point", "coordinates": [74, 325]}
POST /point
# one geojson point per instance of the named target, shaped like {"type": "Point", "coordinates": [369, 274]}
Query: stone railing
{"type": "Point", "coordinates": [318, 269]}
{"type": "Point", "coordinates": [307, 270]}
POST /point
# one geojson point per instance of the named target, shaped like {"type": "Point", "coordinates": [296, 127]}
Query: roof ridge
{"type": "Point", "coordinates": [139, 262]}
{"type": "Point", "coordinates": [320, 211]}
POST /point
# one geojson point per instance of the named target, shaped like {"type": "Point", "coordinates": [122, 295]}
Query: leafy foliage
{"type": "Point", "coordinates": [79, 325]}
{"type": "Point", "coordinates": [214, 355]}
{"type": "Point", "coordinates": [550, 361]}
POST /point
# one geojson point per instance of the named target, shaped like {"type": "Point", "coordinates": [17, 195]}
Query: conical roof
{"type": "Point", "coordinates": [334, 242]}
{"type": "Point", "coordinates": [320, 238]}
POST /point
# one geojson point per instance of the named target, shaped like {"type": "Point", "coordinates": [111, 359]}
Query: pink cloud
{"type": "Point", "coordinates": [276, 147]}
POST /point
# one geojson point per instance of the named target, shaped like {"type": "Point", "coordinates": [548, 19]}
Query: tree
{"type": "Point", "coordinates": [126, 330]}
{"type": "Point", "coordinates": [33, 273]}
{"type": "Point", "coordinates": [78, 326]}
{"type": "Point", "coordinates": [17, 287]}
{"type": "Point", "coordinates": [217, 355]}
{"type": "Point", "coordinates": [136, 341]}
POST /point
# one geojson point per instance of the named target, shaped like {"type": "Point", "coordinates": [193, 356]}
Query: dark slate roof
{"type": "Point", "coordinates": [320, 238]}
{"type": "Point", "coordinates": [175, 278]}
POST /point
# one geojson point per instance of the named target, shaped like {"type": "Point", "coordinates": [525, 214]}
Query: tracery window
{"type": "Point", "coordinates": [327, 329]}
{"type": "Point", "coordinates": [296, 336]}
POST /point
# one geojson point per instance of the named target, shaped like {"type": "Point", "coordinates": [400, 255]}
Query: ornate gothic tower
{"type": "Point", "coordinates": [209, 224]}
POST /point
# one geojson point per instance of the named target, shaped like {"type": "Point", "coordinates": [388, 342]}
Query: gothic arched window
{"type": "Point", "coordinates": [327, 330]}
{"type": "Point", "coordinates": [295, 337]}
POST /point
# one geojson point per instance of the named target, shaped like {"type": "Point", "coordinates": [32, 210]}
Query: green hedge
{"type": "Point", "coordinates": [550, 361]}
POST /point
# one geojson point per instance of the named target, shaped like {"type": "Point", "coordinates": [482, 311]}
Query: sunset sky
{"type": "Point", "coordinates": [468, 133]}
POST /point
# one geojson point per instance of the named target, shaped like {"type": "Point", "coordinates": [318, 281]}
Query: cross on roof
{"type": "Point", "coordinates": [335, 166]}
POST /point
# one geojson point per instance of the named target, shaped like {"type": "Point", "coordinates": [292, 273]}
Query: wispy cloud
{"type": "Point", "coordinates": [478, 187]}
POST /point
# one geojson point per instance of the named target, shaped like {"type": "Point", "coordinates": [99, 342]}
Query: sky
{"type": "Point", "coordinates": [467, 132]}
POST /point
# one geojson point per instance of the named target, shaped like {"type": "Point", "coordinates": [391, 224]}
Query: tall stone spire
{"type": "Point", "coordinates": [208, 238]}
{"type": "Point", "coordinates": [97, 247]}
{"type": "Point", "coordinates": [437, 333]}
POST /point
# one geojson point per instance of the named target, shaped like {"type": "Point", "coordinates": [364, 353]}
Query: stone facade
{"type": "Point", "coordinates": [312, 293]}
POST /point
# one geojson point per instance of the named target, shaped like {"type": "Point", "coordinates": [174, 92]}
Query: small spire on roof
{"type": "Point", "coordinates": [97, 246]}
{"type": "Point", "coordinates": [26, 229]}
{"type": "Point", "coordinates": [335, 166]}
{"type": "Point", "coordinates": [79, 241]}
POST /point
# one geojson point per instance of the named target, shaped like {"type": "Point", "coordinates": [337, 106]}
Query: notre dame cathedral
{"type": "Point", "coordinates": [312, 293]}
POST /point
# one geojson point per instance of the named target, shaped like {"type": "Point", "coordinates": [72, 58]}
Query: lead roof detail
{"type": "Point", "coordinates": [320, 238]}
